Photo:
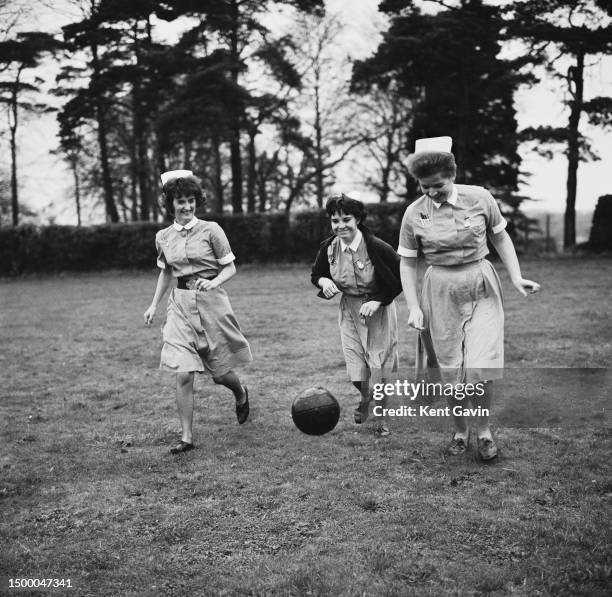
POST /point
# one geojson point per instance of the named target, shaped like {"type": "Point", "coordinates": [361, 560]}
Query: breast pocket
{"type": "Point", "coordinates": [166, 248]}
{"type": "Point", "coordinates": [476, 224]}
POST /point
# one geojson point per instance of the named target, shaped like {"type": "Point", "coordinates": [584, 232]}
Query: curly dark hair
{"type": "Point", "coordinates": [185, 186]}
{"type": "Point", "coordinates": [424, 164]}
{"type": "Point", "coordinates": [343, 204]}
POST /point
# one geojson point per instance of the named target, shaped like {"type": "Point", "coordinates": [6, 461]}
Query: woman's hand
{"type": "Point", "coordinates": [526, 286]}
{"type": "Point", "coordinates": [206, 285]}
{"type": "Point", "coordinates": [369, 308]}
{"type": "Point", "coordinates": [149, 314]}
{"type": "Point", "coordinates": [415, 319]}
{"type": "Point", "coordinates": [328, 287]}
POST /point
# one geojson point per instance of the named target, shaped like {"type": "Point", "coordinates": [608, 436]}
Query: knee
{"type": "Point", "coordinates": [184, 379]}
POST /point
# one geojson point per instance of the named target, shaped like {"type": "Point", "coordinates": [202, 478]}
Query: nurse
{"type": "Point", "coordinates": [365, 270]}
{"type": "Point", "coordinates": [461, 299]}
{"type": "Point", "coordinates": [201, 333]}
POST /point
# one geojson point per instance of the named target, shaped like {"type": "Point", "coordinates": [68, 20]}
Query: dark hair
{"type": "Point", "coordinates": [343, 204]}
{"type": "Point", "coordinates": [429, 163]}
{"type": "Point", "coordinates": [185, 186]}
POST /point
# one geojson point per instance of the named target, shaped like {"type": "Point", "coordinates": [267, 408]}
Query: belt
{"type": "Point", "coordinates": [188, 282]}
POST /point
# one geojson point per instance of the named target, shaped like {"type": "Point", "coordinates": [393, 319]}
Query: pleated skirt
{"type": "Point", "coordinates": [369, 344]}
{"type": "Point", "coordinates": [463, 310]}
{"type": "Point", "coordinates": [202, 334]}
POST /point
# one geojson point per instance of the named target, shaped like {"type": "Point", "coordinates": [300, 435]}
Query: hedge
{"type": "Point", "coordinates": [254, 238]}
{"type": "Point", "coordinates": [601, 229]}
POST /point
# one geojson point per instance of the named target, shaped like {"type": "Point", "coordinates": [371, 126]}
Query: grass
{"type": "Point", "coordinates": [88, 491]}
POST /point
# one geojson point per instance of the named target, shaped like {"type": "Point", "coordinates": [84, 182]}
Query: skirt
{"type": "Point", "coordinates": [463, 310]}
{"type": "Point", "coordinates": [369, 344]}
{"type": "Point", "coordinates": [202, 334]}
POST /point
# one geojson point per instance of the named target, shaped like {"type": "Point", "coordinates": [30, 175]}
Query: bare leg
{"type": "Point", "coordinates": [361, 412]}
{"type": "Point", "coordinates": [364, 390]}
{"type": "Point", "coordinates": [232, 381]}
{"type": "Point", "coordinates": [484, 401]}
{"type": "Point", "coordinates": [184, 403]}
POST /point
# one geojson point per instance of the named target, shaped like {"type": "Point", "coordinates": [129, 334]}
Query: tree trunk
{"type": "Point", "coordinates": [575, 76]}
{"type": "Point", "coordinates": [109, 202]}
{"type": "Point", "coordinates": [251, 171]}
{"type": "Point", "coordinates": [140, 132]}
{"type": "Point", "coordinates": [14, 111]}
{"type": "Point", "coordinates": [218, 180]}
{"type": "Point", "coordinates": [77, 190]}
{"type": "Point", "coordinates": [133, 180]}
{"type": "Point", "coordinates": [235, 157]}
{"type": "Point", "coordinates": [319, 185]}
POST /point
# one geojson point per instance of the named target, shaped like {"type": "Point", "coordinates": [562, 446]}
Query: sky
{"type": "Point", "coordinates": [45, 181]}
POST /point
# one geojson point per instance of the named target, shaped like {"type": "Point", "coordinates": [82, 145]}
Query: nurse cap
{"type": "Point", "coordinates": [433, 144]}
{"type": "Point", "coordinates": [353, 195]}
{"type": "Point", "coordinates": [172, 174]}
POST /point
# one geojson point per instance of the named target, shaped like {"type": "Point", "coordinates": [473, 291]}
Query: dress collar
{"type": "Point", "coordinates": [452, 199]}
{"type": "Point", "coordinates": [354, 244]}
{"type": "Point", "coordinates": [187, 226]}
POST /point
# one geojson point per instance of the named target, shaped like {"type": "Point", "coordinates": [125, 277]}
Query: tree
{"type": "Point", "coordinates": [238, 27]}
{"type": "Point", "coordinates": [387, 120]}
{"type": "Point", "coordinates": [17, 56]}
{"type": "Point", "coordinates": [323, 128]}
{"type": "Point", "coordinates": [94, 98]}
{"type": "Point", "coordinates": [560, 31]}
{"type": "Point", "coordinates": [448, 65]}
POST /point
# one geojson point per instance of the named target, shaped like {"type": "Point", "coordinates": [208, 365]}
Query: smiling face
{"type": "Point", "coordinates": [344, 226]}
{"type": "Point", "coordinates": [438, 186]}
{"type": "Point", "coordinates": [184, 209]}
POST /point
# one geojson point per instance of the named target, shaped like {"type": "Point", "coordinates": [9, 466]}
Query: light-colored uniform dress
{"type": "Point", "coordinates": [369, 344]}
{"type": "Point", "coordinates": [461, 297]}
{"type": "Point", "coordinates": [201, 332]}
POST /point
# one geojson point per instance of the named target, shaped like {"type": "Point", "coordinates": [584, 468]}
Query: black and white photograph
{"type": "Point", "coordinates": [305, 298]}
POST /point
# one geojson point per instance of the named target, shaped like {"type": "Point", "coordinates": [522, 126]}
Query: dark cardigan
{"type": "Point", "coordinates": [386, 264]}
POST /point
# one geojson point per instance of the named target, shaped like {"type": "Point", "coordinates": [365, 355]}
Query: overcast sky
{"type": "Point", "coordinates": [45, 183]}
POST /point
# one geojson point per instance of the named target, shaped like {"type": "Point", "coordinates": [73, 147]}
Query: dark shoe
{"type": "Point", "coordinates": [182, 447]}
{"type": "Point", "coordinates": [242, 410]}
{"type": "Point", "coordinates": [381, 430]}
{"type": "Point", "coordinates": [457, 446]}
{"type": "Point", "coordinates": [487, 449]}
{"type": "Point", "coordinates": [360, 414]}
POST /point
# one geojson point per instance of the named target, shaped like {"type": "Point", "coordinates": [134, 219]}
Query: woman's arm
{"type": "Point", "coordinates": [320, 274]}
{"type": "Point", "coordinates": [408, 274]}
{"type": "Point", "coordinates": [505, 249]}
{"type": "Point", "coordinates": [226, 272]}
{"type": "Point", "coordinates": [163, 282]}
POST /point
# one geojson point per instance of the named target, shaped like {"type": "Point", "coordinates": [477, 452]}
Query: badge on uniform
{"type": "Point", "coordinates": [360, 264]}
{"type": "Point", "coordinates": [425, 221]}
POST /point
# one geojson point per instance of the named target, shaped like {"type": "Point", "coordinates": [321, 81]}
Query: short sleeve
{"type": "Point", "coordinates": [220, 246]}
{"type": "Point", "coordinates": [408, 246]}
{"type": "Point", "coordinates": [161, 258]}
{"type": "Point", "coordinates": [495, 221]}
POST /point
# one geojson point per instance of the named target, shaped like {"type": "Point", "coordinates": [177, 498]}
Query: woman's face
{"type": "Point", "coordinates": [438, 186]}
{"type": "Point", "coordinates": [344, 226]}
{"type": "Point", "coordinates": [184, 209]}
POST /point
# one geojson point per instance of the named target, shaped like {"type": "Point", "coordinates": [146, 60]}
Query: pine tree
{"type": "Point", "coordinates": [558, 30]}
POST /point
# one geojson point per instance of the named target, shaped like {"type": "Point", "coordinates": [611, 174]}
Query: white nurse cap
{"type": "Point", "coordinates": [434, 144]}
{"type": "Point", "coordinates": [353, 195]}
{"type": "Point", "coordinates": [172, 174]}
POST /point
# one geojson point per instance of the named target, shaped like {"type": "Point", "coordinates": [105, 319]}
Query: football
{"type": "Point", "coordinates": [315, 411]}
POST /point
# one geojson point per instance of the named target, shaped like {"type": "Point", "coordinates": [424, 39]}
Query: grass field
{"type": "Point", "coordinates": [89, 492]}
